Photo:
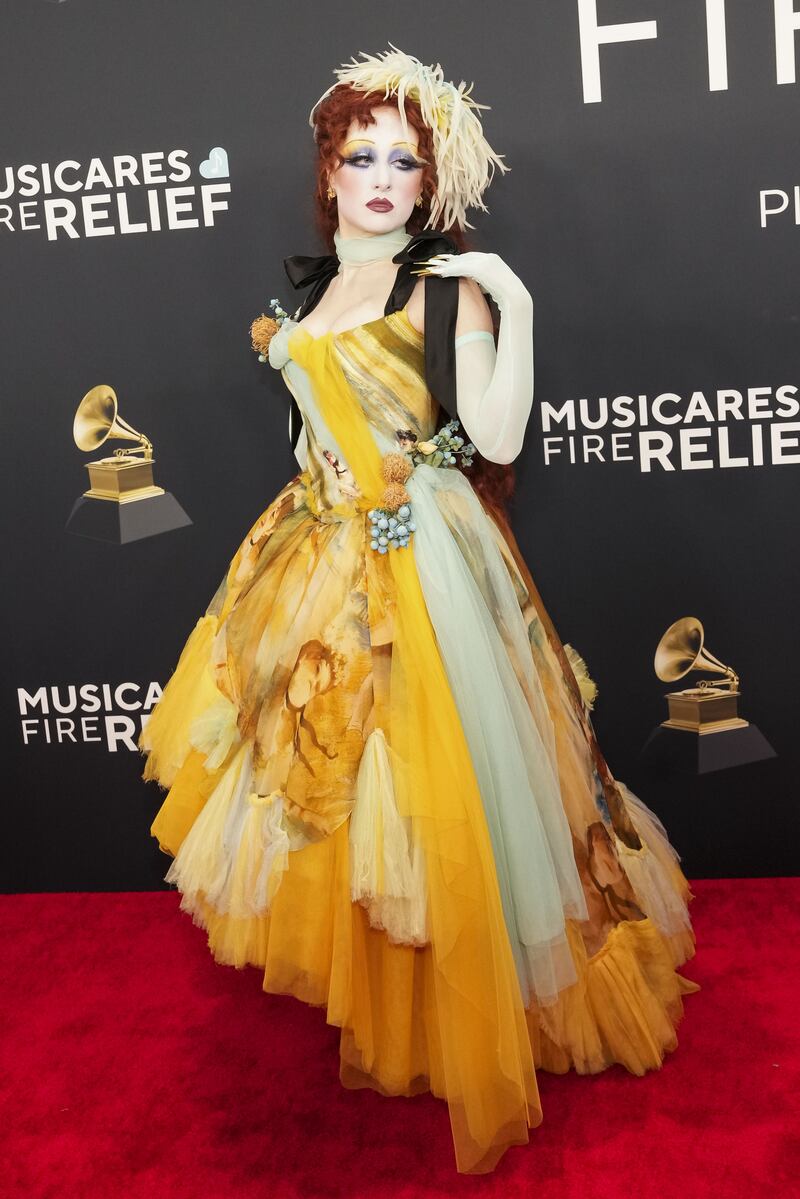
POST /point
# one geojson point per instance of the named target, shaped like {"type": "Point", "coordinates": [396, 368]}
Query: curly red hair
{"type": "Point", "coordinates": [493, 481]}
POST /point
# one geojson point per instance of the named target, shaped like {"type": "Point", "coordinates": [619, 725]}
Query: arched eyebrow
{"type": "Point", "coordinates": [370, 142]}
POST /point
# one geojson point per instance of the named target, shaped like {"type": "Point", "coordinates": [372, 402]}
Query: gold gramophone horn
{"type": "Point", "coordinates": [97, 419]}
{"type": "Point", "coordinates": [681, 649]}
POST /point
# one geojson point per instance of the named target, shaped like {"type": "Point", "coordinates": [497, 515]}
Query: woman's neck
{"type": "Point", "coordinates": [356, 252]}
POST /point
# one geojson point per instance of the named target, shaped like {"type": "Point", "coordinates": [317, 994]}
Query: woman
{"type": "Point", "coordinates": [384, 786]}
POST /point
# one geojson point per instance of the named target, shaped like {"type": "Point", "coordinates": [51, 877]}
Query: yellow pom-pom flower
{"type": "Point", "coordinates": [262, 331]}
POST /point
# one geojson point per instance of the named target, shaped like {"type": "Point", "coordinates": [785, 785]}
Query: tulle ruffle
{"type": "Point", "coordinates": [387, 869]}
{"type": "Point", "coordinates": [318, 946]}
{"type": "Point", "coordinates": [624, 1008]}
{"type": "Point", "coordinates": [191, 691]}
{"type": "Point", "coordinates": [311, 939]}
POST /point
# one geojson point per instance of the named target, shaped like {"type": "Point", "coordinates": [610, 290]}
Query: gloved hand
{"type": "Point", "coordinates": [494, 386]}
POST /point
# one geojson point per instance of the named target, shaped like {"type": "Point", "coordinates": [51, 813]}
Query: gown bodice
{"type": "Point", "coordinates": [384, 363]}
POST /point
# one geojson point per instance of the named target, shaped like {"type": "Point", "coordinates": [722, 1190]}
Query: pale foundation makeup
{"type": "Point", "coordinates": [380, 163]}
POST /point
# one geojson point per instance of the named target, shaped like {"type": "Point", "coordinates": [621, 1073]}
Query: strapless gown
{"type": "Point", "coordinates": [383, 785]}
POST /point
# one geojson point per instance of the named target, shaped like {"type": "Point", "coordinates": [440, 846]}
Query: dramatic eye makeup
{"type": "Point", "coordinates": [362, 154]}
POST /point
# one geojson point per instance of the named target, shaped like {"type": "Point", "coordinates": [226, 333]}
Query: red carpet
{"type": "Point", "coordinates": [134, 1065]}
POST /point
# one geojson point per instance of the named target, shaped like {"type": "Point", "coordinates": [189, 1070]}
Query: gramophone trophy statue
{"type": "Point", "coordinates": [710, 706]}
{"type": "Point", "coordinates": [122, 503]}
{"type": "Point", "coordinates": [704, 730]}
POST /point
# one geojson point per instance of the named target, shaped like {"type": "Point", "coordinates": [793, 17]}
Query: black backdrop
{"type": "Point", "coordinates": [634, 219]}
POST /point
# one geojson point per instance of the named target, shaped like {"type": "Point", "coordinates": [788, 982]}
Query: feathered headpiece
{"type": "Point", "coordinates": [465, 162]}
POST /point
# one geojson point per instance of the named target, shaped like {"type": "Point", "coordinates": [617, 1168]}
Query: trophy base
{"type": "Point", "coordinates": [120, 523]}
{"type": "Point", "coordinates": [716, 726]}
{"type": "Point", "coordinates": [122, 478]}
{"type": "Point", "coordinates": [704, 710]}
{"type": "Point", "coordinates": [693, 751]}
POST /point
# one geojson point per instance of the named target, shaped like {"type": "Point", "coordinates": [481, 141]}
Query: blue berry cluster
{"type": "Point", "coordinates": [390, 530]}
{"type": "Point", "coordinates": [280, 313]}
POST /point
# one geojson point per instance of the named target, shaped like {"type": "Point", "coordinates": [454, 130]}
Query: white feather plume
{"type": "Point", "coordinates": [465, 162]}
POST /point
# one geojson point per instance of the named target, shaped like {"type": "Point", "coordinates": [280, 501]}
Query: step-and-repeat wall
{"type": "Point", "coordinates": [156, 166]}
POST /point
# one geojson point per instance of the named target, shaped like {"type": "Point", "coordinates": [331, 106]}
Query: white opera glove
{"type": "Point", "coordinates": [494, 386]}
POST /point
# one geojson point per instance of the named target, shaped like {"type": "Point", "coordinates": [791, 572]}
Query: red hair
{"type": "Point", "coordinates": [493, 481]}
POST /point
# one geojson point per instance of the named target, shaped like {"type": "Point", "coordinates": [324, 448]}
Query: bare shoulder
{"type": "Point", "coordinates": [473, 311]}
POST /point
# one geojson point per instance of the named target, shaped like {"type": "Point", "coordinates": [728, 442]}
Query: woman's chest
{"type": "Point", "coordinates": [344, 307]}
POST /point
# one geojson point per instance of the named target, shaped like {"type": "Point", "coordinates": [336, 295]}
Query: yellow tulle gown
{"type": "Point", "coordinates": [334, 807]}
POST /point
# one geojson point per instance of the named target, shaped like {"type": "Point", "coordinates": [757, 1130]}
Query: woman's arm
{"type": "Point", "coordinates": [494, 385]}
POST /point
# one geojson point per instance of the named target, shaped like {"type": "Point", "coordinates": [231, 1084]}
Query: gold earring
{"type": "Point", "coordinates": [418, 201]}
{"type": "Point", "coordinates": [331, 192]}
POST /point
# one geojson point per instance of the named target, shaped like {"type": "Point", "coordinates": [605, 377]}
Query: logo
{"type": "Point", "coordinates": [153, 192]}
{"type": "Point", "coordinates": [112, 715]}
{"type": "Point", "coordinates": [671, 432]}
